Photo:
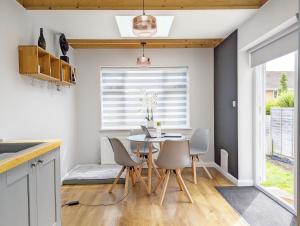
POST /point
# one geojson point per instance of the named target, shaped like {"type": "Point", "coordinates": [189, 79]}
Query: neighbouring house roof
{"type": "Point", "coordinates": [273, 79]}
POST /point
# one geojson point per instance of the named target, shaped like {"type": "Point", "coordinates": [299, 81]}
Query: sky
{"type": "Point", "coordinates": [284, 63]}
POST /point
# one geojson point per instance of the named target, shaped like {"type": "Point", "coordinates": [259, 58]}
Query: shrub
{"type": "Point", "coordinates": [283, 86]}
{"type": "Point", "coordinates": [286, 99]}
{"type": "Point", "coordinates": [269, 104]}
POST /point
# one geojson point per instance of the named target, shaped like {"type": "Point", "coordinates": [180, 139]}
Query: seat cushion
{"type": "Point", "coordinates": [195, 151]}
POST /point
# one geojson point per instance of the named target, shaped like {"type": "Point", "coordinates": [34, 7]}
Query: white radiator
{"type": "Point", "coordinates": [107, 155]}
{"type": "Point", "coordinates": [224, 160]}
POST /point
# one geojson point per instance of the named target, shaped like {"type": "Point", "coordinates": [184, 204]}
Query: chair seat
{"type": "Point", "coordinates": [136, 160]}
{"type": "Point", "coordinates": [196, 152]}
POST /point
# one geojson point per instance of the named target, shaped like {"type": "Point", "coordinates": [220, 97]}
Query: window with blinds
{"type": "Point", "coordinates": [123, 91]}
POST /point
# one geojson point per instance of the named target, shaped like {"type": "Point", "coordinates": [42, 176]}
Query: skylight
{"type": "Point", "coordinates": [164, 24]}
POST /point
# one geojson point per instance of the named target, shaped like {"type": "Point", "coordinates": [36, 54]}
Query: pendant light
{"type": "Point", "coordinates": [144, 25]}
{"type": "Point", "coordinates": [142, 60]}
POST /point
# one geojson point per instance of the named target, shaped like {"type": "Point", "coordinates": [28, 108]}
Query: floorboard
{"type": "Point", "coordinates": [139, 209]}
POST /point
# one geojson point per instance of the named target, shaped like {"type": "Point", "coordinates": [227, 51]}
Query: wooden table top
{"type": "Point", "coordinates": [23, 156]}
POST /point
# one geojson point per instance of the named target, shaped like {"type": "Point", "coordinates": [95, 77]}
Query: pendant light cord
{"type": "Point", "coordinates": [143, 7]}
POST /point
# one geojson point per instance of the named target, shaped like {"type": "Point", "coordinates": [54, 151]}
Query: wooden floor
{"type": "Point", "coordinates": [139, 209]}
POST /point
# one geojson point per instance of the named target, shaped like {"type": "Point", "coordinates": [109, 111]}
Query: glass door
{"type": "Point", "coordinates": [275, 130]}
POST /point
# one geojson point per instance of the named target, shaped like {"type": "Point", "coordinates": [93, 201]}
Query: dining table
{"type": "Point", "coordinates": [141, 138]}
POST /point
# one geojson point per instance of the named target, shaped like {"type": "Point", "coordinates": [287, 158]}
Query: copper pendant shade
{"type": "Point", "coordinates": [142, 60]}
{"type": "Point", "coordinates": [144, 25]}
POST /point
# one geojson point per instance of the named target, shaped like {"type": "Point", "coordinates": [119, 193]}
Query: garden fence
{"type": "Point", "coordinates": [280, 132]}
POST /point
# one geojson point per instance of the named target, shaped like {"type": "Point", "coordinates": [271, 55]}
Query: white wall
{"type": "Point", "coordinates": [199, 61]}
{"type": "Point", "coordinates": [270, 19]}
{"type": "Point", "coordinates": [32, 109]}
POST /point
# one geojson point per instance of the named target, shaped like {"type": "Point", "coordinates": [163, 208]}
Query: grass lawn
{"type": "Point", "coordinates": [278, 177]}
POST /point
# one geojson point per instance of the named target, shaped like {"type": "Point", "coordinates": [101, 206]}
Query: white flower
{"type": "Point", "coordinates": [149, 103]}
{"type": "Point", "coordinates": [149, 100]}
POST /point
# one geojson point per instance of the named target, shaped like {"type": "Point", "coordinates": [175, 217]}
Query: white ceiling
{"type": "Point", "coordinates": [90, 24]}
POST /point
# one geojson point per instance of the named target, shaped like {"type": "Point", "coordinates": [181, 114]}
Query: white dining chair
{"type": "Point", "coordinates": [129, 163]}
{"type": "Point", "coordinates": [199, 144]}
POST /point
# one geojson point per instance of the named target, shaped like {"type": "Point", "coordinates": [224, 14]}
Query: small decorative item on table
{"type": "Point", "coordinates": [158, 129]}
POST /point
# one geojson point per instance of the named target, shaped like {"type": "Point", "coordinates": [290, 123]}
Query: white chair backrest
{"type": "Point", "coordinates": [174, 155]}
{"type": "Point", "coordinates": [121, 155]}
{"type": "Point", "coordinates": [200, 139]}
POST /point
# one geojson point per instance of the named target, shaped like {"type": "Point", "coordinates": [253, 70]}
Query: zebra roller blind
{"type": "Point", "coordinates": [123, 92]}
{"type": "Point", "coordinates": [281, 44]}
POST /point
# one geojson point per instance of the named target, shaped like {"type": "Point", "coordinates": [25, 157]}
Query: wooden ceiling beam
{"type": "Point", "coordinates": [136, 43]}
{"type": "Point", "coordinates": [136, 4]}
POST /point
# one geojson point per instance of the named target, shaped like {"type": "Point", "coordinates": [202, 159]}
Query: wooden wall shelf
{"type": "Point", "coordinates": [37, 63]}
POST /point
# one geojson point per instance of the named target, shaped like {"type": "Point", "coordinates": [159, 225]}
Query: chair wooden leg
{"type": "Point", "coordinates": [178, 181]}
{"type": "Point", "coordinates": [184, 186]}
{"type": "Point", "coordinates": [206, 170]}
{"type": "Point", "coordinates": [149, 182]}
{"type": "Point", "coordinates": [139, 168]}
{"type": "Point", "coordinates": [138, 150]}
{"type": "Point", "coordinates": [131, 174]}
{"type": "Point", "coordinates": [140, 178]}
{"type": "Point", "coordinates": [134, 173]}
{"type": "Point", "coordinates": [117, 179]}
{"type": "Point", "coordinates": [155, 169]}
{"type": "Point", "coordinates": [126, 181]}
{"type": "Point", "coordinates": [194, 169]}
{"type": "Point", "coordinates": [160, 181]}
{"type": "Point", "coordinates": [163, 192]}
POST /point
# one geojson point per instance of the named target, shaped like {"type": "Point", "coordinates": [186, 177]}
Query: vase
{"type": "Point", "coordinates": [42, 41]}
{"type": "Point", "coordinates": [158, 131]}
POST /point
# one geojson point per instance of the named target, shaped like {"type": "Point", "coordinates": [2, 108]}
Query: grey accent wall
{"type": "Point", "coordinates": [225, 92]}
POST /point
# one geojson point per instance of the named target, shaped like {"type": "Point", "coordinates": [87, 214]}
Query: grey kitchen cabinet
{"type": "Point", "coordinates": [30, 193]}
{"type": "Point", "coordinates": [48, 189]}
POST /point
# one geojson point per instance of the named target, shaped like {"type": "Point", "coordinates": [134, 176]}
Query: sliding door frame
{"type": "Point", "coordinates": [297, 107]}
{"type": "Point", "coordinates": [259, 135]}
{"type": "Point", "coordinates": [259, 119]}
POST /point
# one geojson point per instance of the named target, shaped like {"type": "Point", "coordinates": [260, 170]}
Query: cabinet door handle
{"type": "Point", "coordinates": [40, 161]}
{"type": "Point", "coordinates": [33, 165]}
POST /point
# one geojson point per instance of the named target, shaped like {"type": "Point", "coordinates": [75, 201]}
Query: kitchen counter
{"type": "Point", "coordinates": [11, 160]}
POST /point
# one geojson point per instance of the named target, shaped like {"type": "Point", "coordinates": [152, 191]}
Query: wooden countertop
{"type": "Point", "coordinates": [21, 157]}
